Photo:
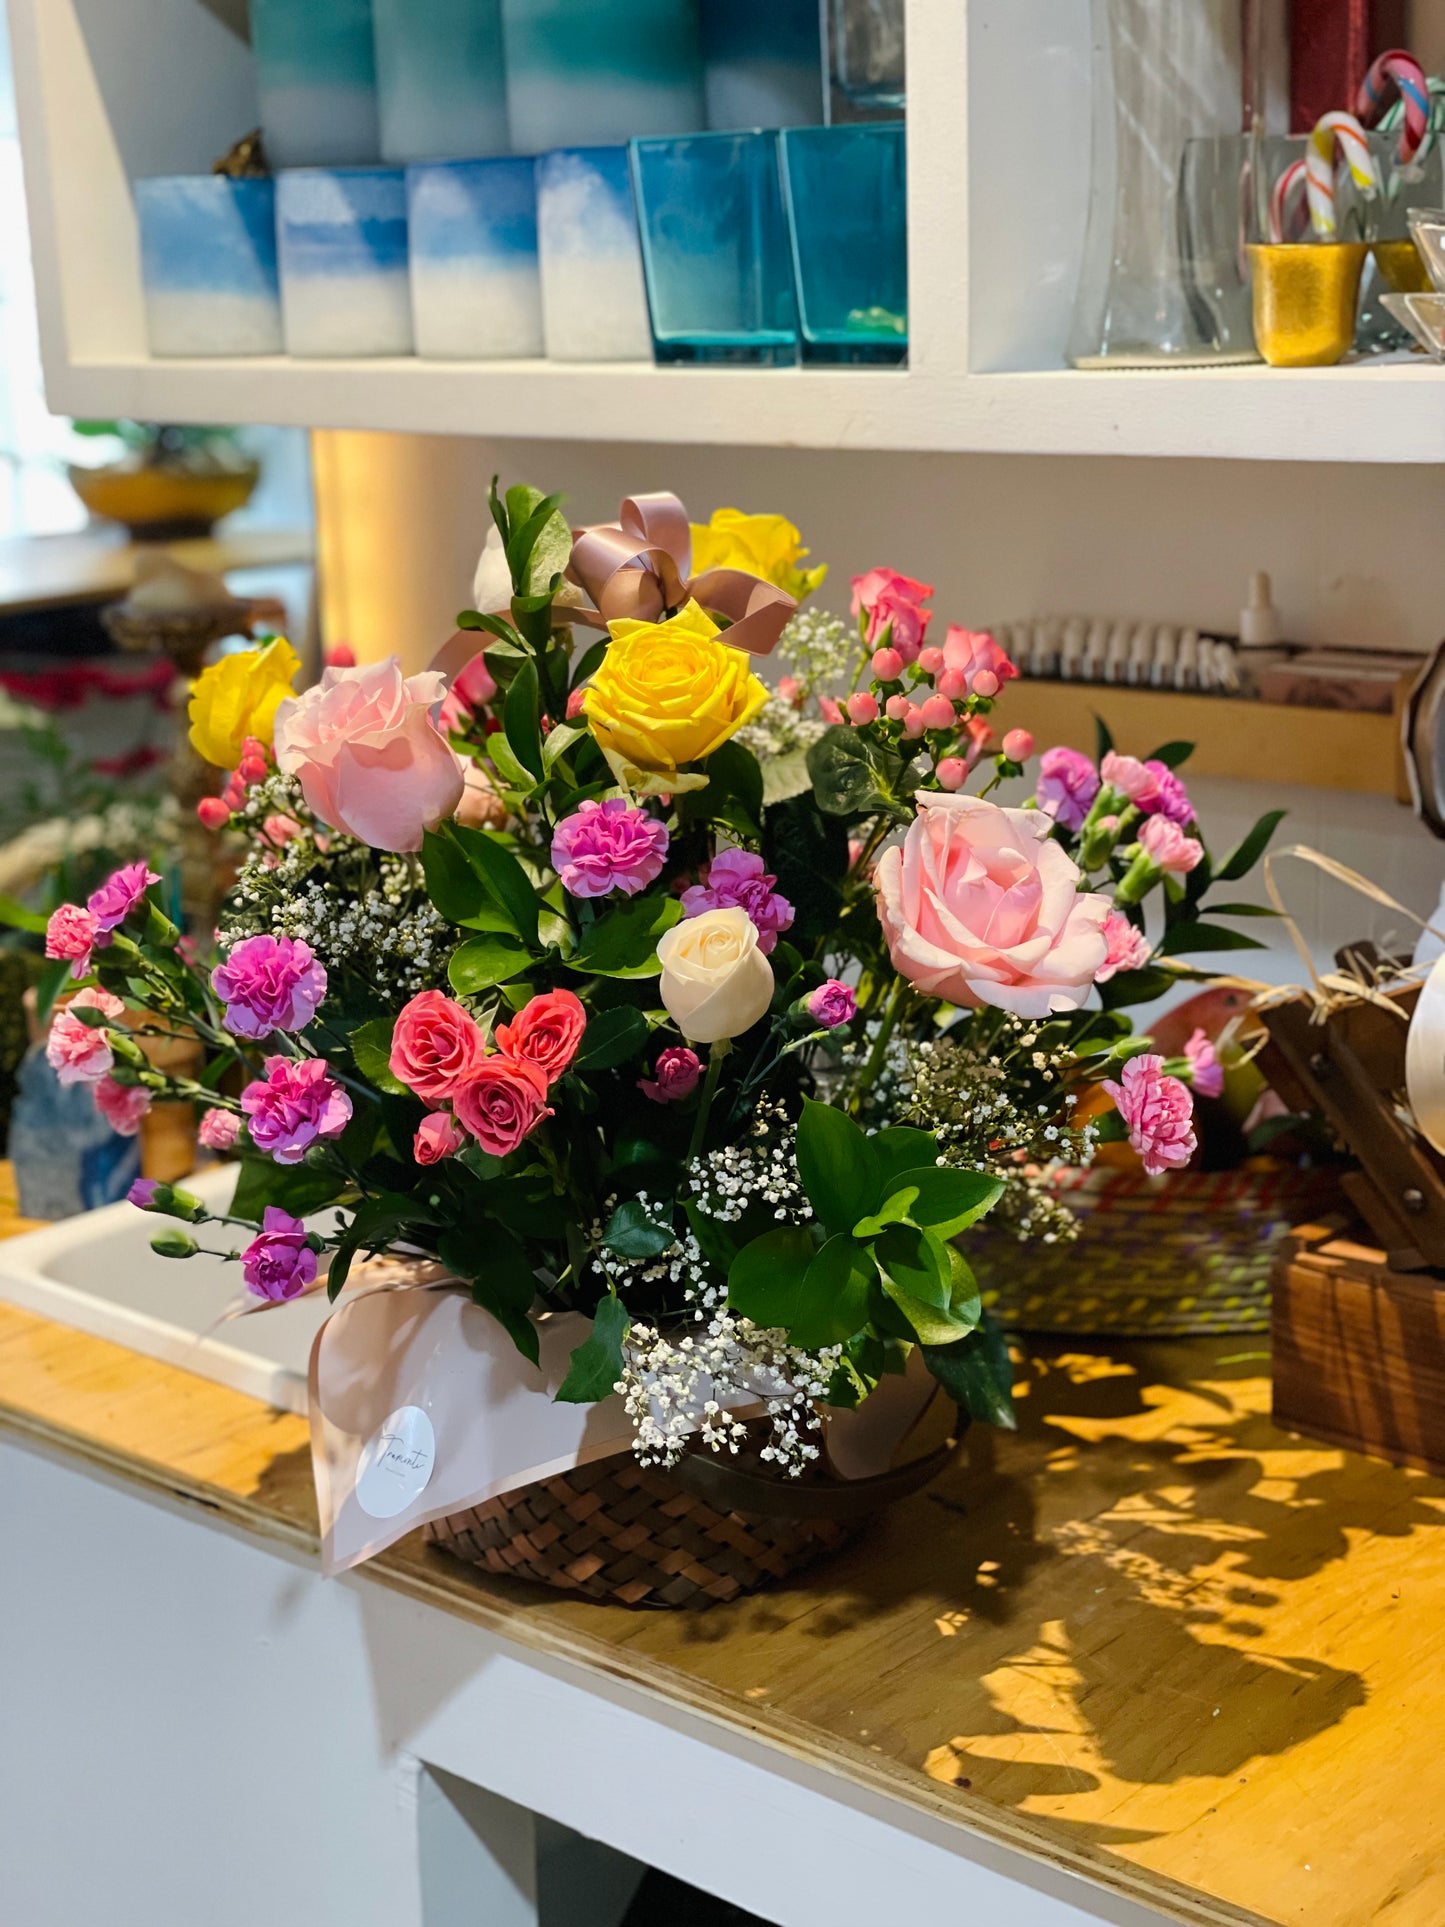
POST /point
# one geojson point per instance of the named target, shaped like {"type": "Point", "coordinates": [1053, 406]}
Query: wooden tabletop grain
{"type": "Point", "coordinates": [1149, 1636]}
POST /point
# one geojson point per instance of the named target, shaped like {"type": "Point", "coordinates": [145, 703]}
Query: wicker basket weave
{"type": "Point", "coordinates": [1190, 1253]}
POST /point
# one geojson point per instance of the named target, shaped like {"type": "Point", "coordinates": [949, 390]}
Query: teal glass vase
{"type": "Point", "coordinates": [845, 191]}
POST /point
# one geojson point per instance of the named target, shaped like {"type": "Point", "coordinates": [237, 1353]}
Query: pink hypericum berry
{"type": "Point", "coordinates": [938, 713]}
{"type": "Point", "coordinates": [952, 772]}
{"type": "Point", "coordinates": [897, 708]}
{"type": "Point", "coordinates": [953, 683]}
{"type": "Point", "coordinates": [214, 814]}
{"type": "Point", "coordinates": [1018, 745]}
{"type": "Point", "coordinates": [831, 708]}
{"type": "Point", "coordinates": [930, 660]}
{"type": "Point", "coordinates": [862, 708]}
{"type": "Point", "coordinates": [913, 723]}
{"type": "Point", "coordinates": [985, 683]}
{"type": "Point", "coordinates": [887, 665]}
{"type": "Point", "coordinates": [791, 691]}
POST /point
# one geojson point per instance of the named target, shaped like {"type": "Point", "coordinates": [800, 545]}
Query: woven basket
{"type": "Point", "coordinates": [696, 1535]}
{"type": "Point", "coordinates": [1190, 1253]}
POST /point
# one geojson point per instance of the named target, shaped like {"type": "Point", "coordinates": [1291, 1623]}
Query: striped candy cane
{"type": "Point", "coordinates": [1344, 130]}
{"type": "Point", "coordinates": [1284, 206]}
{"type": "Point", "coordinates": [1398, 73]}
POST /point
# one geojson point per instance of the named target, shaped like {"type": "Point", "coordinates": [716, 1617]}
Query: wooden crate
{"type": "Point", "coordinates": [1359, 1351]}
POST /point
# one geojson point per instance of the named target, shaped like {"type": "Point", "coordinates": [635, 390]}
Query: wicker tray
{"type": "Point", "coordinates": [1155, 1257]}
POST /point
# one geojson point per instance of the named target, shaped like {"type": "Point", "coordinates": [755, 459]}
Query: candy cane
{"type": "Point", "coordinates": [1398, 73]}
{"type": "Point", "coordinates": [1345, 130]}
{"type": "Point", "coordinates": [1284, 209]}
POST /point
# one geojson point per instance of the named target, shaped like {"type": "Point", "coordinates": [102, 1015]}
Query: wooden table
{"type": "Point", "coordinates": [98, 565]}
{"type": "Point", "coordinates": [1150, 1639]}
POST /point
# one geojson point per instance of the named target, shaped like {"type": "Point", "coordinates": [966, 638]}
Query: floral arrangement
{"type": "Point", "coordinates": [535, 965]}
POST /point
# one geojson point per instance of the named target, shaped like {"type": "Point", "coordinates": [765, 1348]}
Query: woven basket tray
{"type": "Point", "coordinates": [1155, 1257]}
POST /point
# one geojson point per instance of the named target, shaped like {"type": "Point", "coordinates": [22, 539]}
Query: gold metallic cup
{"type": "Point", "coordinates": [1401, 269]}
{"type": "Point", "coordinates": [1305, 301]}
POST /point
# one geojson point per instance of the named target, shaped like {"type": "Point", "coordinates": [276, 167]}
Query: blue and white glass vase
{"type": "Point", "coordinates": [846, 193]}
{"type": "Point", "coordinates": [208, 265]}
{"type": "Point", "coordinates": [441, 79]}
{"type": "Point", "coordinates": [586, 72]}
{"type": "Point", "coordinates": [341, 241]}
{"type": "Point", "coordinates": [715, 249]}
{"type": "Point", "coordinates": [476, 291]}
{"type": "Point", "coordinates": [763, 64]}
{"type": "Point", "coordinates": [316, 74]}
{"type": "Point", "coordinates": [594, 304]}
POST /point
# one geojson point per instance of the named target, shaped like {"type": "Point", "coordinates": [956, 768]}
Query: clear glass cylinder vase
{"type": "Point", "coordinates": [1177, 114]}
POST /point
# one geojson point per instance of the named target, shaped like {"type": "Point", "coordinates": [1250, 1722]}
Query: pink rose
{"type": "Point", "coordinates": [501, 1103]}
{"type": "Point", "coordinates": [974, 655]}
{"type": "Point", "coordinates": [472, 689]}
{"type": "Point", "coordinates": [218, 1129]}
{"type": "Point", "coordinates": [1158, 1111]}
{"type": "Point", "coordinates": [435, 1046]}
{"type": "Point", "coordinates": [113, 902]}
{"type": "Point", "coordinates": [1126, 947]}
{"type": "Point", "coordinates": [545, 1033]}
{"type": "Point", "coordinates": [674, 1077]}
{"type": "Point", "coordinates": [1068, 784]}
{"type": "Point", "coordinates": [832, 711]}
{"type": "Point", "coordinates": [980, 906]}
{"type": "Point", "coordinates": [368, 756]}
{"type": "Point", "coordinates": [1168, 848]}
{"type": "Point", "coordinates": [122, 1105]}
{"type": "Point", "coordinates": [437, 1136]}
{"type": "Point", "coordinates": [1206, 1071]}
{"type": "Point", "coordinates": [77, 1053]}
{"type": "Point", "coordinates": [278, 830]}
{"type": "Point", "coordinates": [893, 605]}
{"type": "Point", "coordinates": [70, 936]}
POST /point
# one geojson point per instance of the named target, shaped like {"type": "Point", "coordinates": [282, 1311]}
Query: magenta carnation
{"type": "Point", "coordinates": [608, 846]}
{"type": "Point", "coordinates": [1068, 784]}
{"type": "Point", "coordinates": [1158, 1111]}
{"type": "Point", "coordinates": [1206, 1073]}
{"type": "Point", "coordinates": [736, 880]}
{"type": "Point", "coordinates": [1168, 796]}
{"type": "Point", "coordinates": [832, 1004]}
{"type": "Point", "coordinates": [296, 1104]}
{"type": "Point", "coordinates": [113, 902]}
{"type": "Point", "coordinates": [267, 984]}
{"type": "Point", "coordinates": [278, 1263]}
{"type": "Point", "coordinates": [674, 1076]}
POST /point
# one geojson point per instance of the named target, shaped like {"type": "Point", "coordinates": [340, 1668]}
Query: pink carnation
{"type": "Point", "coordinates": [113, 902]}
{"type": "Point", "coordinates": [278, 1264]}
{"type": "Point", "coordinates": [1158, 1111]}
{"type": "Point", "coordinates": [974, 655]}
{"type": "Point", "coordinates": [674, 1077]}
{"type": "Point", "coordinates": [267, 984]}
{"type": "Point", "coordinates": [70, 936]}
{"type": "Point", "coordinates": [122, 1105]}
{"type": "Point", "coordinates": [1129, 777]}
{"type": "Point", "coordinates": [438, 1136]}
{"type": "Point", "coordinates": [893, 603]}
{"type": "Point", "coordinates": [736, 880]}
{"type": "Point", "coordinates": [1128, 947]}
{"type": "Point", "coordinates": [218, 1129]}
{"type": "Point", "coordinates": [608, 846]}
{"type": "Point", "coordinates": [833, 1004]}
{"type": "Point", "coordinates": [1206, 1071]}
{"type": "Point", "coordinates": [1166, 845]}
{"type": "Point", "coordinates": [297, 1103]}
{"type": "Point", "coordinates": [77, 1053]}
{"type": "Point", "coordinates": [1068, 784]}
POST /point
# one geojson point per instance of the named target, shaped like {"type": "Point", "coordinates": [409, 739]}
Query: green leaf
{"type": "Point", "coordinates": [499, 513]}
{"type": "Point", "coordinates": [297, 1188]}
{"type": "Point", "coordinates": [539, 545]}
{"type": "Point", "coordinates": [559, 740]}
{"type": "Point", "coordinates": [488, 959]}
{"type": "Point", "coordinates": [589, 662]}
{"type": "Point", "coordinates": [503, 877]}
{"type": "Point", "coordinates": [808, 853]}
{"type": "Point", "coordinates": [1103, 739]}
{"type": "Point", "coordinates": [735, 771]}
{"type": "Point", "coordinates": [1241, 910]}
{"type": "Point", "coordinates": [632, 1232]}
{"type": "Point", "coordinates": [852, 775]}
{"type": "Point", "coordinates": [521, 718]}
{"type": "Point", "coordinates": [900, 1148]}
{"type": "Point", "coordinates": [611, 1038]}
{"type": "Point", "coordinates": [1172, 755]}
{"type": "Point", "coordinates": [1242, 860]}
{"type": "Point", "coordinates": [832, 1301]}
{"type": "Point", "coordinates": [948, 1201]}
{"type": "Point", "coordinates": [765, 1280]}
{"type": "Point", "coordinates": [623, 941]}
{"type": "Point", "coordinates": [894, 1209]}
{"type": "Point", "coordinates": [1188, 939]}
{"type": "Point", "coordinates": [917, 1263]}
{"type": "Point", "coordinates": [1136, 987]}
{"type": "Point", "coordinates": [502, 1282]}
{"type": "Point", "coordinates": [785, 777]}
{"type": "Point", "coordinates": [489, 625]}
{"type": "Point", "coordinates": [978, 1374]}
{"type": "Point", "coordinates": [371, 1047]}
{"type": "Point", "coordinates": [597, 1362]}
{"type": "Point", "coordinates": [837, 1166]}
{"type": "Point", "coordinates": [452, 884]}
{"type": "Point", "coordinates": [14, 913]}
{"type": "Point", "coordinates": [508, 765]}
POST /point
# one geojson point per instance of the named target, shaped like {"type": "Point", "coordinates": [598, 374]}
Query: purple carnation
{"type": "Point", "coordinates": [113, 902]}
{"type": "Point", "coordinates": [608, 846]}
{"type": "Point", "coordinates": [278, 1263]}
{"type": "Point", "coordinates": [736, 880]}
{"type": "Point", "coordinates": [1167, 796]}
{"type": "Point", "coordinates": [142, 1193]}
{"type": "Point", "coordinates": [295, 1105]}
{"type": "Point", "coordinates": [269, 983]}
{"type": "Point", "coordinates": [1068, 784]}
{"type": "Point", "coordinates": [833, 1004]}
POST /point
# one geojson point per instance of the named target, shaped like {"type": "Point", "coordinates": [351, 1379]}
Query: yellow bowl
{"type": "Point", "coordinates": [1305, 301]}
{"type": "Point", "coordinates": [163, 503]}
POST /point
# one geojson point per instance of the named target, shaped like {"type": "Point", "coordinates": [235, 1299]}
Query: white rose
{"type": "Point", "coordinates": [716, 983]}
{"type": "Point", "coordinates": [492, 584]}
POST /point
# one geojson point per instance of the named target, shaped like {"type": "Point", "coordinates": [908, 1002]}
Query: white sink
{"type": "Point", "coordinates": [98, 1273]}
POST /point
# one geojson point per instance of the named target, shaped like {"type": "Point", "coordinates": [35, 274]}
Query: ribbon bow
{"type": "Point", "coordinates": [639, 569]}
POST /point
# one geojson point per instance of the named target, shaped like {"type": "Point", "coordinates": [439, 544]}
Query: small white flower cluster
{"type": "Point", "coordinates": [820, 651]}
{"type": "Point", "coordinates": [725, 1182]}
{"type": "Point", "coordinates": [779, 729]}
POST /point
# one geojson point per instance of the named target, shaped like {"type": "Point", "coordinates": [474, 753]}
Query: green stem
{"type": "Point", "coordinates": [715, 1059]}
{"type": "Point", "coordinates": [893, 1010]}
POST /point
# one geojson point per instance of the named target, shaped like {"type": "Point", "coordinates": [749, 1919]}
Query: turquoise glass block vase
{"type": "Point", "coordinates": [476, 289]}
{"type": "Point", "coordinates": [208, 265]}
{"type": "Point", "coordinates": [763, 64]}
{"type": "Point", "coordinates": [342, 246]}
{"type": "Point", "coordinates": [316, 75]}
{"type": "Point", "coordinates": [441, 79]}
{"type": "Point", "coordinates": [594, 304]}
{"type": "Point", "coordinates": [845, 190]}
{"type": "Point", "coordinates": [715, 249]}
{"type": "Point", "coordinates": [595, 72]}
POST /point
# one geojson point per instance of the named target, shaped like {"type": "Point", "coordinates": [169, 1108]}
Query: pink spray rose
{"type": "Point", "coordinates": [122, 1105]}
{"type": "Point", "coordinates": [278, 1264]}
{"type": "Point", "coordinates": [368, 757]}
{"type": "Point", "coordinates": [974, 655]}
{"type": "Point", "coordinates": [1068, 784]}
{"type": "Point", "coordinates": [472, 689]}
{"type": "Point", "coordinates": [608, 846]}
{"type": "Point", "coordinates": [674, 1077]}
{"type": "Point", "coordinates": [1158, 1111]}
{"type": "Point", "coordinates": [113, 902]}
{"type": "Point", "coordinates": [501, 1103]}
{"type": "Point", "coordinates": [267, 984]}
{"type": "Point", "coordinates": [438, 1136]}
{"type": "Point", "coordinates": [736, 879]}
{"type": "Point", "coordinates": [294, 1105]}
{"type": "Point", "coordinates": [1127, 948]}
{"type": "Point", "coordinates": [76, 1053]}
{"type": "Point", "coordinates": [435, 1046]}
{"type": "Point", "coordinates": [893, 602]}
{"type": "Point", "coordinates": [1206, 1071]}
{"type": "Point", "coordinates": [832, 1004]}
{"type": "Point", "coordinates": [545, 1033]}
{"type": "Point", "coordinates": [70, 936]}
{"type": "Point", "coordinates": [218, 1129]}
{"type": "Point", "coordinates": [980, 906]}
{"type": "Point", "coordinates": [1166, 846]}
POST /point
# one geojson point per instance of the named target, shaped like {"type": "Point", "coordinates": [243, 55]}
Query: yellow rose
{"type": "Point", "coordinates": [668, 693]}
{"type": "Point", "coordinates": [237, 697]}
{"type": "Point", "coordinates": [765, 545]}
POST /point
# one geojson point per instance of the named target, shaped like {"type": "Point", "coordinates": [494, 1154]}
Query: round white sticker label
{"type": "Point", "coordinates": [396, 1465]}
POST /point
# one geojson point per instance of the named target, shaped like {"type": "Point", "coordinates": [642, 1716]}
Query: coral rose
{"type": "Point", "coordinates": [368, 756]}
{"type": "Point", "coordinates": [435, 1046]}
{"type": "Point", "coordinates": [545, 1033]}
{"type": "Point", "coordinates": [501, 1103]}
{"type": "Point", "coordinates": [716, 982]}
{"type": "Point", "coordinates": [238, 697]}
{"type": "Point", "coordinates": [979, 906]}
{"type": "Point", "coordinates": [669, 693]}
{"type": "Point", "coordinates": [765, 545]}
{"type": "Point", "coordinates": [438, 1136]}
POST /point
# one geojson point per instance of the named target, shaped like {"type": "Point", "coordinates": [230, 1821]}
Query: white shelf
{"type": "Point", "coordinates": [135, 87]}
